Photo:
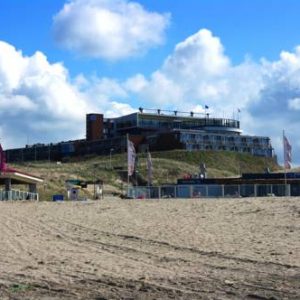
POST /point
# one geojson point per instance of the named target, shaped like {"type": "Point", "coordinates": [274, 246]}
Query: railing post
{"type": "Point", "coordinates": [271, 188]}
{"type": "Point", "coordinates": [191, 191]}
{"type": "Point", "coordinates": [288, 190]}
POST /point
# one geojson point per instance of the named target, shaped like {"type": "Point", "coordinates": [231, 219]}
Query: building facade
{"type": "Point", "coordinates": [173, 131]}
{"type": "Point", "coordinates": [154, 131]}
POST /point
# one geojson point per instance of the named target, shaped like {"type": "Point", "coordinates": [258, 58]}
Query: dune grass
{"type": "Point", "coordinates": [168, 166]}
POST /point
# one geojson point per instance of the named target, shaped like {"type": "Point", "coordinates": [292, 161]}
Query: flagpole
{"type": "Point", "coordinates": [284, 153]}
{"type": "Point", "coordinates": [131, 159]}
{"type": "Point", "coordinates": [148, 181]}
{"type": "Point", "coordinates": [149, 168]}
{"type": "Point", "coordinates": [127, 139]}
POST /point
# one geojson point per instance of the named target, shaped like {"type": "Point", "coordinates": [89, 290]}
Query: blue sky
{"type": "Point", "coordinates": [60, 60]}
{"type": "Point", "coordinates": [255, 28]}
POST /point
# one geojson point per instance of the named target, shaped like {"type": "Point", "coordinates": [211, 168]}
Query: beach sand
{"type": "Point", "coordinates": [151, 249]}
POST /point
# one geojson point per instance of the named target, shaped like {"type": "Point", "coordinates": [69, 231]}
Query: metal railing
{"type": "Point", "coordinates": [208, 191]}
{"type": "Point", "coordinates": [18, 195]}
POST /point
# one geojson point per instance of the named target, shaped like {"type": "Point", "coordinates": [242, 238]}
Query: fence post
{"type": "Point", "coordinates": [223, 192]}
{"type": "Point", "coordinates": [255, 190]}
{"type": "Point", "coordinates": [159, 192]}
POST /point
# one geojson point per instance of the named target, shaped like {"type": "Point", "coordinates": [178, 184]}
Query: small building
{"type": "Point", "coordinates": [10, 178]}
{"type": "Point", "coordinates": [247, 185]}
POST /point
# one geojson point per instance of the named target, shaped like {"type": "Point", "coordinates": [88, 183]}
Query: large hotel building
{"type": "Point", "coordinates": [154, 130]}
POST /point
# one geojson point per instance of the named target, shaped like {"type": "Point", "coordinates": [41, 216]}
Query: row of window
{"type": "Point", "coordinates": [186, 137]}
{"type": "Point", "coordinates": [254, 151]}
{"type": "Point", "coordinates": [189, 122]}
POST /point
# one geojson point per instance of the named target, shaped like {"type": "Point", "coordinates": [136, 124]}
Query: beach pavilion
{"type": "Point", "coordinates": [10, 178]}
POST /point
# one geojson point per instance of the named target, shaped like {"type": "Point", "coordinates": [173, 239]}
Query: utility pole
{"type": "Point", "coordinates": [49, 153]}
{"type": "Point", "coordinates": [22, 155]}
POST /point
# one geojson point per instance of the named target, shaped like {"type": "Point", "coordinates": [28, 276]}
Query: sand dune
{"type": "Point", "coordinates": [158, 249]}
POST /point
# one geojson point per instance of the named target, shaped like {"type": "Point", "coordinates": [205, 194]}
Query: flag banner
{"type": "Point", "coordinates": [149, 168]}
{"type": "Point", "coordinates": [131, 156]}
{"type": "Point", "coordinates": [287, 153]}
{"type": "Point", "coordinates": [2, 159]}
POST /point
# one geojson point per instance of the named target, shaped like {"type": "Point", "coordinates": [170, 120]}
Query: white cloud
{"type": "Point", "coordinates": [195, 74]}
{"type": "Point", "coordinates": [204, 50]}
{"type": "Point", "coordinates": [39, 100]}
{"type": "Point", "coordinates": [119, 109]}
{"type": "Point", "coordinates": [198, 72]}
{"type": "Point", "coordinates": [108, 29]}
{"type": "Point", "coordinates": [14, 103]}
{"type": "Point", "coordinates": [12, 66]}
{"type": "Point", "coordinates": [36, 96]}
{"type": "Point", "coordinates": [136, 83]}
{"type": "Point", "coordinates": [294, 103]}
{"type": "Point", "coordinates": [107, 87]}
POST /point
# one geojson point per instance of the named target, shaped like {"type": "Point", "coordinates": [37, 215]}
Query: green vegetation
{"type": "Point", "coordinates": [168, 166]}
{"type": "Point", "coordinates": [20, 287]}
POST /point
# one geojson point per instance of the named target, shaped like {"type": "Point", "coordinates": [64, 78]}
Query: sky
{"type": "Point", "coordinates": [62, 59]}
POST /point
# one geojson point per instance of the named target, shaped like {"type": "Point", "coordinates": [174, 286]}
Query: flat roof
{"type": "Point", "coordinates": [248, 178]}
{"type": "Point", "coordinates": [18, 177]}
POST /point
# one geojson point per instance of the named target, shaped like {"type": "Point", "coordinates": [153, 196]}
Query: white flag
{"type": "Point", "coordinates": [287, 152]}
{"type": "Point", "coordinates": [131, 155]}
{"type": "Point", "coordinates": [149, 168]}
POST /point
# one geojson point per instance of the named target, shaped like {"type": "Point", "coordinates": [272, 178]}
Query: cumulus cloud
{"type": "Point", "coordinates": [195, 74]}
{"type": "Point", "coordinates": [39, 102]}
{"type": "Point", "coordinates": [136, 83]}
{"type": "Point", "coordinates": [35, 95]}
{"type": "Point", "coordinates": [108, 29]}
{"type": "Point", "coordinates": [119, 109]}
{"type": "Point", "coordinates": [198, 73]}
{"type": "Point", "coordinates": [294, 103]}
{"type": "Point", "coordinates": [204, 50]}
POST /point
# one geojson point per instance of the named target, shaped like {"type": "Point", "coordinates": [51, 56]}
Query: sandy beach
{"type": "Point", "coordinates": [151, 249]}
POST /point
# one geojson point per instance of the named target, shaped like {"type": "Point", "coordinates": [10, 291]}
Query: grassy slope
{"type": "Point", "coordinates": [167, 167]}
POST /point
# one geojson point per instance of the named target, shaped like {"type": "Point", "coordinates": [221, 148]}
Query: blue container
{"type": "Point", "coordinates": [58, 198]}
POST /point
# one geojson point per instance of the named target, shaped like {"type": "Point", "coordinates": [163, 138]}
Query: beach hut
{"type": "Point", "coordinates": [10, 178]}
